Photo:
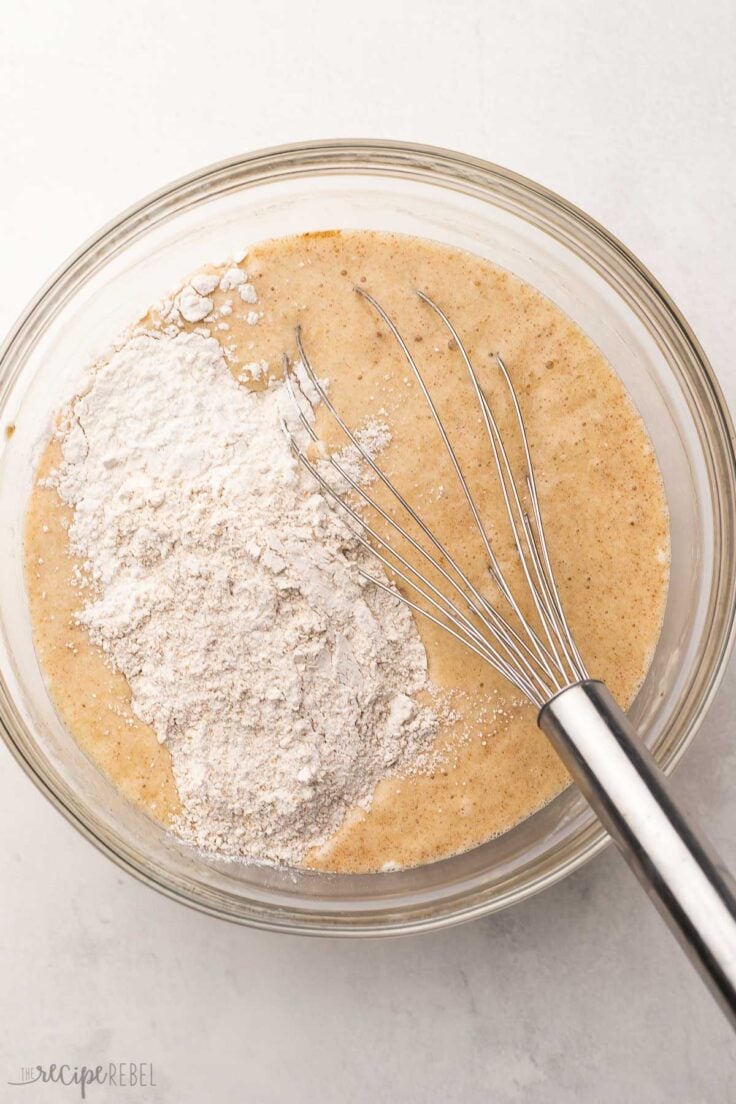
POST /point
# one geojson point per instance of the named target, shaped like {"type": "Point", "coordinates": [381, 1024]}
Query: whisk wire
{"type": "Point", "coordinates": [469, 635]}
{"type": "Point", "coordinates": [443, 434]}
{"type": "Point", "coordinates": [500, 626]}
{"type": "Point", "coordinates": [537, 668]}
{"type": "Point", "coordinates": [531, 482]}
{"type": "Point", "coordinates": [548, 661]}
{"type": "Point", "coordinates": [530, 676]}
{"type": "Point", "coordinates": [504, 472]}
{"type": "Point", "coordinates": [512, 503]}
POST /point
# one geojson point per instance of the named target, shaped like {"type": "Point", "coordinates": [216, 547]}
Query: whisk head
{"type": "Point", "coordinates": [536, 654]}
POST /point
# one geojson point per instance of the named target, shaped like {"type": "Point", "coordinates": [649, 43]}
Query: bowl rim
{"type": "Point", "coordinates": [392, 155]}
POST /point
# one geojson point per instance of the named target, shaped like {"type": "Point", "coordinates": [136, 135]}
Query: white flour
{"type": "Point", "coordinates": [226, 590]}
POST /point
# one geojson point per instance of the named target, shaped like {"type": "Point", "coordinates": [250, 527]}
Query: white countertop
{"type": "Point", "coordinates": [627, 109]}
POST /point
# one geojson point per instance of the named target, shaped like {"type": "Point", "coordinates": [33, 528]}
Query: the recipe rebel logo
{"type": "Point", "coordinates": [117, 1075]}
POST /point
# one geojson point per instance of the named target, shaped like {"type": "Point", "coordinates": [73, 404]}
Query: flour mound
{"type": "Point", "coordinates": [227, 592]}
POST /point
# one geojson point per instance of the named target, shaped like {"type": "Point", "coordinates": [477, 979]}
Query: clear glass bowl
{"type": "Point", "coordinates": [466, 203]}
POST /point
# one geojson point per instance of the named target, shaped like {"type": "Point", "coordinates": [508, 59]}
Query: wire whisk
{"type": "Point", "coordinates": [537, 654]}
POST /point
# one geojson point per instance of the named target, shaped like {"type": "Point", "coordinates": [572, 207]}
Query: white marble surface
{"type": "Point", "coordinates": [579, 995]}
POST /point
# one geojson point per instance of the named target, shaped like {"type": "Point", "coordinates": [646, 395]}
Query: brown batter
{"type": "Point", "coordinates": [600, 490]}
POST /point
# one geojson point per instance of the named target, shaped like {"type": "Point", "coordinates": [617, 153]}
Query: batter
{"type": "Point", "coordinates": [600, 490]}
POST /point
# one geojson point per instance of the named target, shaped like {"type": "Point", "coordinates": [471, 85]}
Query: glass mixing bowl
{"type": "Point", "coordinates": [472, 205]}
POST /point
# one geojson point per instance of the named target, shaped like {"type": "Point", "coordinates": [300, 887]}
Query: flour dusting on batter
{"type": "Point", "coordinates": [225, 588]}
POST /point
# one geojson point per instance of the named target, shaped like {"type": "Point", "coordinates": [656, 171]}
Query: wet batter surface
{"type": "Point", "coordinates": [599, 486]}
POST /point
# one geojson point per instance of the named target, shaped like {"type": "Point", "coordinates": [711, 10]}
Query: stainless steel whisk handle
{"type": "Point", "coordinates": [679, 870]}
